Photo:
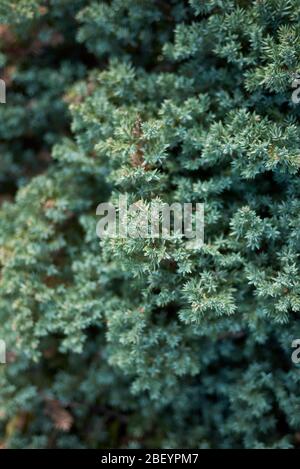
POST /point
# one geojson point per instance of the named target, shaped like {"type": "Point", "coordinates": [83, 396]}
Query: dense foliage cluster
{"type": "Point", "coordinates": [134, 342]}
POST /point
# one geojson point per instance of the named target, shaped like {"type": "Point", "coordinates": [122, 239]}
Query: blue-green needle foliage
{"type": "Point", "coordinates": [38, 62]}
{"type": "Point", "coordinates": [142, 343]}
